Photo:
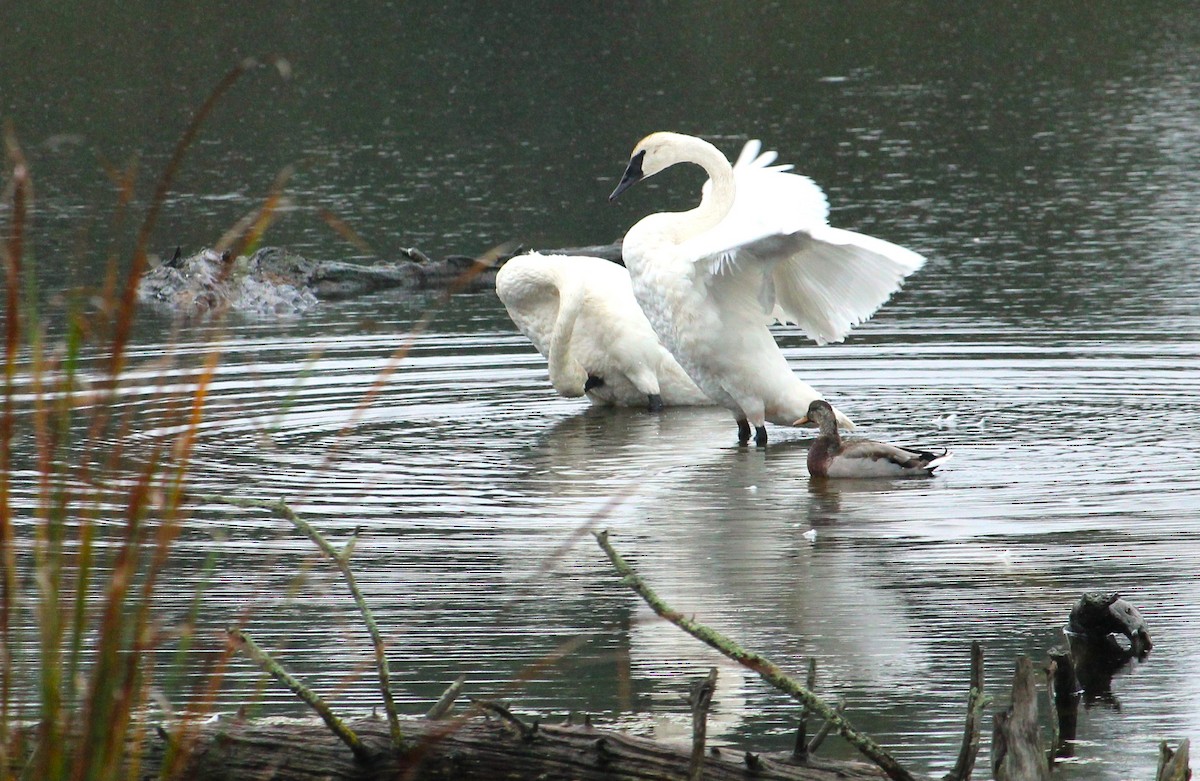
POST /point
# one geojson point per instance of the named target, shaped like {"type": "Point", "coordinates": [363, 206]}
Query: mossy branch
{"type": "Point", "coordinates": [765, 668]}
{"type": "Point", "coordinates": [341, 560]}
{"type": "Point", "coordinates": [977, 702]}
{"type": "Point", "coordinates": [264, 660]}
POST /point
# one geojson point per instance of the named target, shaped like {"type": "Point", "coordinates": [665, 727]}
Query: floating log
{"type": "Point", "coordinates": [272, 281]}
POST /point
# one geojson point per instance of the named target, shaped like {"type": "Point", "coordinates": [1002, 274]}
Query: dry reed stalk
{"type": "Point", "coordinates": [95, 654]}
{"type": "Point", "coordinates": [13, 253]}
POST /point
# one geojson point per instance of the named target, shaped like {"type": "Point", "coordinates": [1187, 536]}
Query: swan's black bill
{"type": "Point", "coordinates": [633, 175]}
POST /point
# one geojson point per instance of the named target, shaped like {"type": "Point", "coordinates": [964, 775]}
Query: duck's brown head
{"type": "Point", "coordinates": [820, 413]}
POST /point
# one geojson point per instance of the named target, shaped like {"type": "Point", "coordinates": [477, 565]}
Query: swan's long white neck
{"type": "Point", "coordinates": [561, 362]}
{"type": "Point", "coordinates": [717, 200]}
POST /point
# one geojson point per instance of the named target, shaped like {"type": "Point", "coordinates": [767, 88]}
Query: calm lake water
{"type": "Point", "coordinates": [1044, 162]}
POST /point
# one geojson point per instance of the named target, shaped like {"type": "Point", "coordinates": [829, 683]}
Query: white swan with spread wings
{"type": "Point", "coordinates": [755, 251]}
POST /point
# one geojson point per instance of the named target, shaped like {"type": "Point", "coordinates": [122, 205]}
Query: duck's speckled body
{"type": "Point", "coordinates": [832, 456]}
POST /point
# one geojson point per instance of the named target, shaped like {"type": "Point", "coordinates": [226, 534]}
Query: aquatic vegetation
{"type": "Point", "coordinates": [89, 510]}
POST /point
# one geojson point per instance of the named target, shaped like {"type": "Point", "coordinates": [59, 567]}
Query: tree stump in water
{"type": "Point", "coordinates": [1173, 765]}
{"type": "Point", "coordinates": [1017, 752]}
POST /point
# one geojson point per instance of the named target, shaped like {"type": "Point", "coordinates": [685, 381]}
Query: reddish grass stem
{"type": "Point", "coordinates": [13, 249]}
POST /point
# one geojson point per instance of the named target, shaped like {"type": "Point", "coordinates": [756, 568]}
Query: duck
{"type": "Point", "coordinates": [756, 251]}
{"type": "Point", "coordinates": [580, 314]}
{"type": "Point", "coordinates": [832, 456]}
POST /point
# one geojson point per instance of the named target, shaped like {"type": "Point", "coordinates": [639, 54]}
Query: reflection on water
{"type": "Point", "coordinates": [1074, 471]}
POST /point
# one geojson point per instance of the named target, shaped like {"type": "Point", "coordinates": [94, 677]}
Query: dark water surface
{"type": "Point", "coordinates": [1044, 161]}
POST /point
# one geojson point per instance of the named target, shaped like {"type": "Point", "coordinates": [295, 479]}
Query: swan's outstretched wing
{"type": "Point", "coordinates": [767, 200]}
{"type": "Point", "coordinates": [829, 280]}
{"type": "Point", "coordinates": [823, 279]}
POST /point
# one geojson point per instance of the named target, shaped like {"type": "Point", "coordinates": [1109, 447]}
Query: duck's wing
{"type": "Point", "coordinates": [903, 460]}
{"type": "Point", "coordinates": [823, 279]}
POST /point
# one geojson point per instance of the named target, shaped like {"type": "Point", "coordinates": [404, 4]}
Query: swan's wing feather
{"type": "Point", "coordinates": [767, 201]}
{"type": "Point", "coordinates": [830, 280]}
{"type": "Point", "coordinates": [826, 280]}
{"type": "Point", "coordinates": [750, 154]}
{"type": "Point", "coordinates": [752, 162]}
{"type": "Point", "coordinates": [823, 279]}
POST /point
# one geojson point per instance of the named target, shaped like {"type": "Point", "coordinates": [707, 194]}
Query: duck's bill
{"type": "Point", "coordinates": [804, 421]}
{"type": "Point", "coordinates": [633, 175]}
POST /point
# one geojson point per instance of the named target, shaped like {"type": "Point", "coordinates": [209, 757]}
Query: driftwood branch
{"type": "Point", "coordinates": [976, 703]}
{"type": "Point", "coordinates": [800, 752]}
{"type": "Point", "coordinates": [446, 701]}
{"type": "Point", "coordinates": [823, 732]}
{"type": "Point", "coordinates": [341, 560]}
{"type": "Point", "coordinates": [264, 660]}
{"type": "Point", "coordinates": [765, 668]}
{"type": "Point", "coordinates": [526, 731]}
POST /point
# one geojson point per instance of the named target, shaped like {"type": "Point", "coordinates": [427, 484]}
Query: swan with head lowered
{"type": "Point", "coordinates": [755, 251]}
{"type": "Point", "coordinates": [580, 313]}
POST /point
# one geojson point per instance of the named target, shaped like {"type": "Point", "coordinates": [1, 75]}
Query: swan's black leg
{"type": "Point", "coordinates": [656, 404]}
{"type": "Point", "coordinates": [743, 431]}
{"type": "Point", "coordinates": [760, 436]}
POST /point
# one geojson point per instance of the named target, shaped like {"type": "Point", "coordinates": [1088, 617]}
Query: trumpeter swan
{"type": "Point", "coordinates": [832, 456]}
{"type": "Point", "coordinates": [756, 250]}
{"type": "Point", "coordinates": [580, 313]}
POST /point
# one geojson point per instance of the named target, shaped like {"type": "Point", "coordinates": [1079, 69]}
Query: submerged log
{"type": "Point", "coordinates": [275, 281]}
{"type": "Point", "coordinates": [469, 749]}
{"type": "Point", "coordinates": [1101, 618]}
{"type": "Point", "coordinates": [272, 281]}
